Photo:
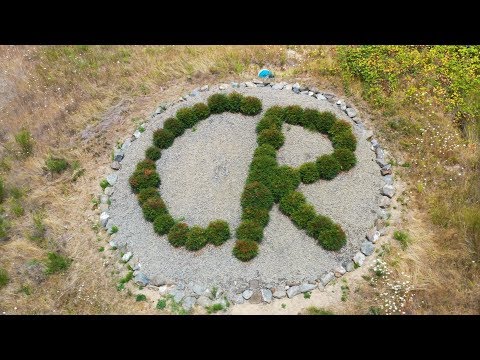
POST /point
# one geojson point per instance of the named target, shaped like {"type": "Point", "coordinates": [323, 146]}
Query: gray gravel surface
{"type": "Point", "coordinates": [203, 175]}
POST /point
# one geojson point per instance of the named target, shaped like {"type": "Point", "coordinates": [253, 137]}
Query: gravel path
{"type": "Point", "coordinates": [203, 175]}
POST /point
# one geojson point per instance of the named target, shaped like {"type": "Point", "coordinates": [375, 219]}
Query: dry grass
{"type": "Point", "coordinates": [57, 92]}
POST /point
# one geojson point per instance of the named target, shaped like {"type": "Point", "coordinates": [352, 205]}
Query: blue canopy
{"type": "Point", "coordinates": [265, 73]}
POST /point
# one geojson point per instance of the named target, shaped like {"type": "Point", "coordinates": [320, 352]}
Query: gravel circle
{"type": "Point", "coordinates": [203, 175]}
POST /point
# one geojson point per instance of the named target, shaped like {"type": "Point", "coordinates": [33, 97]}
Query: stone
{"type": "Point", "coordinates": [223, 87]}
{"type": "Point", "coordinates": [115, 165]}
{"type": "Point", "coordinates": [250, 84]}
{"type": "Point", "coordinates": [204, 88]}
{"type": "Point", "coordinates": [379, 152]}
{"type": "Point", "coordinates": [359, 258]}
{"type": "Point", "coordinates": [388, 179]}
{"type": "Point", "coordinates": [163, 290]}
{"type": "Point", "coordinates": [108, 191]}
{"type": "Point", "coordinates": [112, 179]}
{"type": "Point", "coordinates": [339, 271]}
{"type": "Point", "coordinates": [386, 170]}
{"type": "Point", "coordinates": [113, 244]}
{"type": "Point", "coordinates": [381, 162]}
{"type": "Point", "coordinates": [256, 81]}
{"type": "Point", "coordinates": [296, 90]}
{"type": "Point", "coordinates": [261, 84]}
{"type": "Point", "coordinates": [141, 279]}
{"type": "Point", "coordinates": [279, 86]}
{"type": "Point", "coordinates": [339, 102]}
{"type": "Point", "coordinates": [238, 299]}
{"type": "Point", "coordinates": [247, 294]}
{"type": "Point", "coordinates": [374, 143]}
{"type": "Point", "coordinates": [306, 287]}
{"type": "Point", "coordinates": [288, 87]}
{"type": "Point", "coordinates": [158, 280]}
{"type": "Point", "coordinates": [294, 290]}
{"type": "Point", "coordinates": [350, 266]}
{"type": "Point", "coordinates": [204, 301]}
{"type": "Point", "coordinates": [104, 199]}
{"type": "Point", "coordinates": [137, 266]}
{"type": "Point", "coordinates": [388, 190]}
{"type": "Point", "coordinates": [104, 219]}
{"type": "Point", "coordinates": [266, 295]}
{"type": "Point", "coordinates": [254, 284]}
{"type": "Point", "coordinates": [279, 294]}
{"type": "Point", "coordinates": [368, 134]}
{"type": "Point", "coordinates": [296, 86]}
{"type": "Point", "coordinates": [178, 295]}
{"type": "Point", "coordinates": [351, 112]}
{"type": "Point", "coordinates": [118, 155]}
{"type": "Point", "coordinates": [195, 93]}
{"type": "Point", "coordinates": [367, 248]}
{"type": "Point", "coordinates": [326, 278]}
{"type": "Point", "coordinates": [126, 144]}
{"type": "Point", "coordinates": [372, 235]}
{"type": "Point", "coordinates": [189, 303]}
{"type": "Point", "coordinates": [343, 107]}
{"type": "Point", "coordinates": [320, 97]}
{"type": "Point", "coordinates": [311, 93]}
{"type": "Point", "coordinates": [256, 297]}
{"type": "Point", "coordinates": [328, 95]}
{"type": "Point", "coordinates": [293, 282]}
{"type": "Point", "coordinates": [304, 92]}
{"type": "Point", "coordinates": [235, 85]}
{"type": "Point", "coordinates": [385, 202]}
{"type": "Point", "coordinates": [382, 214]}
{"type": "Point", "coordinates": [137, 134]}
{"type": "Point", "coordinates": [103, 208]}
{"type": "Point", "coordinates": [127, 256]}
{"type": "Point", "coordinates": [356, 120]}
{"type": "Point", "coordinates": [198, 290]}
{"type": "Point", "coordinates": [380, 224]}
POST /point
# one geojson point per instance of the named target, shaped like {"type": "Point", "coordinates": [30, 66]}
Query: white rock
{"type": "Point", "coordinates": [247, 294]}
{"type": "Point", "coordinates": [311, 93]}
{"type": "Point", "coordinates": [385, 201]}
{"type": "Point", "coordinates": [367, 248]}
{"type": "Point", "coordinates": [108, 191]}
{"type": "Point", "coordinates": [104, 218]}
{"type": "Point", "coordinates": [204, 301]}
{"type": "Point", "coordinates": [359, 258]}
{"type": "Point", "coordinates": [325, 279]}
{"type": "Point", "coordinates": [250, 84]}
{"type": "Point", "coordinates": [294, 290]}
{"type": "Point", "coordinates": [279, 294]}
{"type": "Point", "coordinates": [223, 87]}
{"type": "Point", "coordinates": [112, 179]}
{"type": "Point", "coordinates": [373, 235]}
{"type": "Point", "coordinates": [388, 190]}
{"type": "Point", "coordinates": [127, 256]}
{"type": "Point", "coordinates": [339, 271]}
{"type": "Point", "coordinates": [204, 88]}
{"type": "Point", "coordinates": [137, 134]}
{"type": "Point", "coordinates": [321, 97]}
{"type": "Point", "coordinates": [306, 287]}
{"type": "Point", "coordinates": [113, 244]}
{"type": "Point", "coordinates": [266, 295]}
{"type": "Point", "coordinates": [351, 112]}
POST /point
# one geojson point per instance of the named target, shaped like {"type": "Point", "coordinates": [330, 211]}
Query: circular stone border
{"type": "Point", "coordinates": [191, 294]}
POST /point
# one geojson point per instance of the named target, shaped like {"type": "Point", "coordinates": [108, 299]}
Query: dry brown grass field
{"type": "Point", "coordinates": [52, 95]}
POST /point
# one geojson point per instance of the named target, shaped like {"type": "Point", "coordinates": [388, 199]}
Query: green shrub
{"type": "Point", "coordinates": [256, 195]}
{"type": "Point", "coordinates": [283, 181]}
{"type": "Point", "coordinates": [163, 138]}
{"type": "Point", "coordinates": [303, 215]}
{"type": "Point", "coordinates": [2, 190]}
{"type": "Point", "coordinates": [245, 250]}
{"type": "Point", "coordinates": [104, 184]}
{"type": "Point", "coordinates": [218, 232]}
{"type": "Point", "coordinates": [344, 140]}
{"type": "Point", "coordinates": [265, 150]}
{"type": "Point", "coordinates": [4, 278]}
{"type": "Point", "coordinates": [177, 236]}
{"type": "Point", "coordinates": [153, 153]}
{"type": "Point", "coordinates": [259, 215]}
{"type": "Point", "coordinates": [312, 310]}
{"type": "Point", "coordinates": [201, 111]}
{"type": "Point", "coordinates": [196, 239]}
{"type": "Point", "coordinates": [262, 169]}
{"type": "Point", "coordinates": [276, 111]}
{"type": "Point", "coordinates": [25, 141]}
{"type": "Point", "coordinates": [269, 122]}
{"type": "Point", "coordinates": [56, 165]}
{"type": "Point", "coordinates": [56, 263]}
{"type": "Point", "coordinates": [175, 126]}
{"type": "Point", "coordinates": [250, 106]}
{"type": "Point", "coordinates": [234, 102]}
{"type": "Point", "coordinates": [318, 224]}
{"type": "Point", "coordinates": [249, 230]}
{"type": "Point", "coordinates": [339, 127]}
{"type": "Point", "coordinates": [328, 167]}
{"type": "Point", "coordinates": [332, 238]}
{"type": "Point", "coordinates": [153, 207]}
{"type": "Point", "coordinates": [145, 164]}
{"type": "Point", "coordinates": [309, 172]}
{"type": "Point", "coordinates": [218, 103]}
{"type": "Point", "coordinates": [187, 116]}
{"type": "Point", "coordinates": [17, 208]}
{"type": "Point", "coordinates": [147, 193]}
{"type": "Point", "coordinates": [163, 223]}
{"type": "Point", "coordinates": [325, 122]}
{"type": "Point", "coordinates": [291, 202]}
{"type": "Point", "coordinates": [271, 136]}
{"type": "Point", "coordinates": [293, 115]}
{"type": "Point", "coordinates": [403, 238]}
{"type": "Point", "coordinates": [142, 179]}
{"type": "Point", "coordinates": [345, 158]}
{"type": "Point", "coordinates": [212, 309]}
{"type": "Point", "coordinates": [311, 119]}
{"type": "Point", "coordinates": [140, 297]}
{"type": "Point", "coordinates": [114, 229]}
{"type": "Point", "coordinates": [161, 304]}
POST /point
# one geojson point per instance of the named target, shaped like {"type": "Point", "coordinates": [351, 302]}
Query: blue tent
{"type": "Point", "coordinates": [265, 73]}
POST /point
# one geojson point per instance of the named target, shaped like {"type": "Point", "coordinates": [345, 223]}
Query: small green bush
{"type": "Point", "coordinates": [56, 165]}
{"type": "Point", "coordinates": [265, 150]}
{"type": "Point", "coordinates": [271, 136]}
{"type": "Point", "coordinates": [249, 230]}
{"type": "Point", "coordinates": [293, 115]}
{"type": "Point", "coordinates": [245, 250]}
{"type": "Point", "coordinates": [153, 207]}
{"type": "Point", "coordinates": [56, 263]}
{"type": "Point", "coordinates": [212, 309]}
{"type": "Point", "coordinates": [262, 169]}
{"type": "Point", "coordinates": [332, 238]}
{"type": "Point", "coordinates": [303, 215]}
{"type": "Point", "coordinates": [201, 111]}
{"type": "Point", "coordinates": [403, 238]}
{"type": "Point", "coordinates": [25, 141]}
{"type": "Point", "coordinates": [114, 229]}
{"type": "Point", "coordinates": [345, 158]}
{"type": "Point", "coordinates": [276, 111]}
{"type": "Point", "coordinates": [178, 234]}
{"type": "Point", "coordinates": [163, 138]}
{"type": "Point", "coordinates": [259, 215]}
{"type": "Point", "coordinates": [17, 208]}
{"type": "Point", "coordinates": [145, 164]}
{"type": "Point", "coordinates": [196, 239]}
{"type": "Point", "coordinates": [218, 232]}
{"type": "Point", "coordinates": [344, 140]}
{"type": "Point", "coordinates": [153, 153]}
{"type": "Point", "coordinates": [256, 195]}
{"type": "Point", "coordinates": [235, 102]}
{"type": "Point", "coordinates": [269, 122]}
{"type": "Point", "coordinates": [163, 223]}
{"type": "Point", "coordinates": [309, 172]}
{"type": "Point", "coordinates": [328, 167]}
{"type": "Point", "coordinates": [175, 126]}
{"type": "Point", "coordinates": [142, 179]}
{"type": "Point", "coordinates": [311, 119]}
{"type": "Point", "coordinates": [187, 116]}
{"type": "Point", "coordinates": [292, 202]}
{"type": "Point", "coordinates": [283, 181]}
{"type": "Point", "coordinates": [218, 103]}
{"type": "Point", "coordinates": [325, 122]}
{"type": "Point", "coordinates": [161, 304]}
{"type": "Point", "coordinates": [250, 106]}
{"type": "Point", "coordinates": [318, 224]}
{"type": "Point", "coordinates": [339, 127]}
{"type": "Point", "coordinates": [104, 184]}
{"type": "Point", "coordinates": [4, 278]}
{"type": "Point", "coordinates": [147, 193]}
{"type": "Point", "coordinates": [312, 310]}
{"type": "Point", "coordinates": [140, 297]}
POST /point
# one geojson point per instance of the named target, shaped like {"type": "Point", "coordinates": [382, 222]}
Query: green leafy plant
{"type": "Point", "coordinates": [201, 111]}
{"type": "Point", "coordinates": [153, 153]}
{"type": "Point", "coordinates": [403, 238]}
{"type": "Point", "coordinates": [178, 234]}
{"type": "Point", "coordinates": [250, 230]}
{"type": "Point", "coordinates": [153, 207]}
{"type": "Point", "coordinates": [282, 181]}
{"type": "Point", "coordinates": [56, 165]}
{"type": "Point", "coordinates": [250, 106]}
{"type": "Point", "coordinates": [214, 308]}
{"type": "Point", "coordinates": [245, 250]}
{"type": "Point", "coordinates": [293, 115]}
{"type": "Point", "coordinates": [235, 102]}
{"type": "Point", "coordinates": [316, 225]}
{"type": "Point", "coordinates": [196, 238]}
{"type": "Point", "coordinates": [2, 190]}
{"type": "Point", "coordinates": [175, 126]}
{"type": "Point", "coordinates": [163, 138]}
{"type": "Point", "coordinates": [56, 263]}
{"type": "Point", "coordinates": [218, 232]}
{"type": "Point", "coordinates": [346, 158]}
{"type": "Point", "coordinates": [163, 223]}
{"type": "Point", "coordinates": [147, 193]}
{"type": "Point", "coordinates": [269, 122]}
{"type": "Point", "coordinates": [256, 195]}
{"type": "Point", "coordinates": [311, 119]}
{"type": "Point", "coordinates": [307, 295]}
{"type": "Point", "coordinates": [140, 297]}
{"type": "Point", "coordinates": [161, 304]}
{"type": "Point", "coordinates": [271, 136]}
{"type": "Point", "coordinates": [309, 172]}
{"type": "Point", "coordinates": [24, 140]}
{"type": "Point", "coordinates": [292, 202]}
{"type": "Point", "coordinates": [144, 176]}
{"type": "Point", "coordinates": [4, 278]}
{"type": "Point", "coordinates": [256, 214]}
{"type": "Point", "coordinates": [328, 167]}
{"type": "Point", "coordinates": [339, 127]}
{"type": "Point", "coordinates": [218, 103]}
{"type": "Point", "coordinates": [104, 184]}
{"type": "Point", "coordinates": [17, 208]}
{"type": "Point", "coordinates": [114, 229]}
{"type": "Point", "coordinates": [332, 238]}
{"type": "Point", "coordinates": [304, 214]}
{"type": "Point", "coordinates": [265, 150]}
{"type": "Point", "coordinates": [344, 140]}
